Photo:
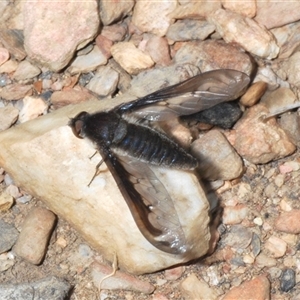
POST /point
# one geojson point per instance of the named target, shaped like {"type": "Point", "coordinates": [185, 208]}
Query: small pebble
{"type": "Point", "coordinates": [235, 214]}
{"type": "Point", "coordinates": [34, 237]}
{"type": "Point", "coordinates": [26, 70]}
{"type": "Point", "coordinates": [32, 108]}
{"type": "Point", "coordinates": [6, 201]}
{"type": "Point", "coordinates": [276, 246]}
{"type": "Point", "coordinates": [46, 288]}
{"type": "Point", "coordinates": [8, 116]}
{"type": "Point", "coordinates": [193, 288]}
{"type": "Point", "coordinates": [131, 58]}
{"type": "Point", "coordinates": [174, 273]}
{"type": "Point", "coordinates": [289, 166]}
{"type": "Point", "coordinates": [254, 93]}
{"type": "Point", "coordinates": [257, 288]}
{"type": "Point", "coordinates": [258, 221]}
{"type": "Point", "coordinates": [289, 222]}
{"type": "Point", "coordinates": [238, 237]}
{"type": "Point", "coordinates": [104, 82]}
{"type": "Point", "coordinates": [4, 55]}
{"type": "Point", "coordinates": [287, 280]}
{"type": "Point", "coordinates": [88, 62]}
{"type": "Point", "coordinates": [264, 260]}
{"type": "Point", "coordinates": [8, 236]}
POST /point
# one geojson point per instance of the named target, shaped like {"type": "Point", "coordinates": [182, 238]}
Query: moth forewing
{"type": "Point", "coordinates": [193, 95]}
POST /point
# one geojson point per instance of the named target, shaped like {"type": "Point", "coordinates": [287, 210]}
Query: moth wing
{"type": "Point", "coordinates": [150, 204]}
{"type": "Point", "coordinates": [193, 95]}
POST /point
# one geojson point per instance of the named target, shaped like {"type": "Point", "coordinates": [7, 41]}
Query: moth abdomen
{"type": "Point", "coordinates": [151, 146]}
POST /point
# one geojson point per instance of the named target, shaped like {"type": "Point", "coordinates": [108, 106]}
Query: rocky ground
{"type": "Point", "coordinates": [43, 68]}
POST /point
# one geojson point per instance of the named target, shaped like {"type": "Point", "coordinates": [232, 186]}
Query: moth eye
{"type": "Point", "coordinates": [77, 128]}
{"type": "Point", "coordinates": [77, 123]}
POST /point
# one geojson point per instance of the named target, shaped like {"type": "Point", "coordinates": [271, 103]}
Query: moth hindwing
{"type": "Point", "coordinates": [132, 150]}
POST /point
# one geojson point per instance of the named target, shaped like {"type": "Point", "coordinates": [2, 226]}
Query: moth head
{"type": "Point", "coordinates": [77, 124]}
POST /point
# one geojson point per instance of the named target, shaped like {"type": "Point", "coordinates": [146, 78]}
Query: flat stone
{"type": "Point", "coordinates": [26, 70]}
{"type": "Point", "coordinates": [195, 9]}
{"type": "Point", "coordinates": [145, 16]}
{"type": "Point", "coordinates": [254, 93]}
{"type": "Point", "coordinates": [184, 30]}
{"type": "Point", "coordinates": [158, 49]}
{"type": "Point", "coordinates": [131, 58]}
{"type": "Point", "coordinates": [15, 91]}
{"type": "Point", "coordinates": [214, 54]}
{"type": "Point", "coordinates": [8, 116]}
{"type": "Point", "coordinates": [111, 11]}
{"type": "Point", "coordinates": [275, 14]}
{"type": "Point", "coordinates": [245, 8]}
{"type": "Point", "coordinates": [265, 141]}
{"type": "Point", "coordinates": [88, 62]}
{"type": "Point", "coordinates": [234, 214]}
{"type": "Point", "coordinates": [217, 158]}
{"type": "Point", "coordinates": [4, 55]}
{"type": "Point", "coordinates": [72, 96]}
{"type": "Point", "coordinates": [47, 288]}
{"type": "Point", "coordinates": [43, 23]}
{"type": "Point", "coordinates": [104, 82]}
{"type": "Point", "coordinates": [244, 31]}
{"type": "Point", "coordinates": [32, 108]}
{"type": "Point", "coordinates": [6, 201]}
{"type": "Point", "coordinates": [35, 233]}
{"type": "Point", "coordinates": [276, 246]}
{"type": "Point", "coordinates": [257, 288]}
{"type": "Point", "coordinates": [8, 236]}
{"type": "Point", "coordinates": [288, 280]}
{"type": "Point", "coordinates": [289, 221]}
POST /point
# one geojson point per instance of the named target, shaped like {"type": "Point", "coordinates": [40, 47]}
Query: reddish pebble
{"type": "Point", "coordinates": [289, 221]}
{"type": "Point", "coordinates": [174, 273]}
{"type": "Point", "coordinates": [257, 288]}
{"type": "Point", "coordinates": [35, 234]}
{"type": "Point", "coordinates": [4, 55]}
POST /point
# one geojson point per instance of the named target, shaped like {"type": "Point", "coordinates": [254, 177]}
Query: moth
{"type": "Point", "coordinates": [130, 146]}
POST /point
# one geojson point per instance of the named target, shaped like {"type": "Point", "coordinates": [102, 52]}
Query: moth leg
{"type": "Point", "coordinates": [97, 172]}
{"type": "Point", "coordinates": [93, 155]}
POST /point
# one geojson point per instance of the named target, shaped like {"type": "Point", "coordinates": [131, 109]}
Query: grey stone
{"type": "Point", "coordinates": [8, 236]}
{"type": "Point", "coordinates": [48, 288]}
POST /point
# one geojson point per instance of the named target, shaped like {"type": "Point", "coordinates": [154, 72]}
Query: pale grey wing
{"type": "Point", "coordinates": [193, 95]}
{"type": "Point", "coordinates": [151, 205]}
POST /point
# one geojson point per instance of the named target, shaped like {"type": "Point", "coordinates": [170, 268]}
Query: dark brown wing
{"type": "Point", "coordinates": [149, 202]}
{"type": "Point", "coordinates": [195, 94]}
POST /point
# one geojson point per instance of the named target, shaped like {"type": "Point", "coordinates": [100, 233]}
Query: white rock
{"type": "Point", "coordinates": [244, 31]}
{"type": "Point", "coordinates": [130, 58]}
{"type": "Point", "coordinates": [192, 288]}
{"type": "Point", "coordinates": [104, 82]}
{"type": "Point", "coordinates": [61, 172]}
{"type": "Point", "coordinates": [32, 108]}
